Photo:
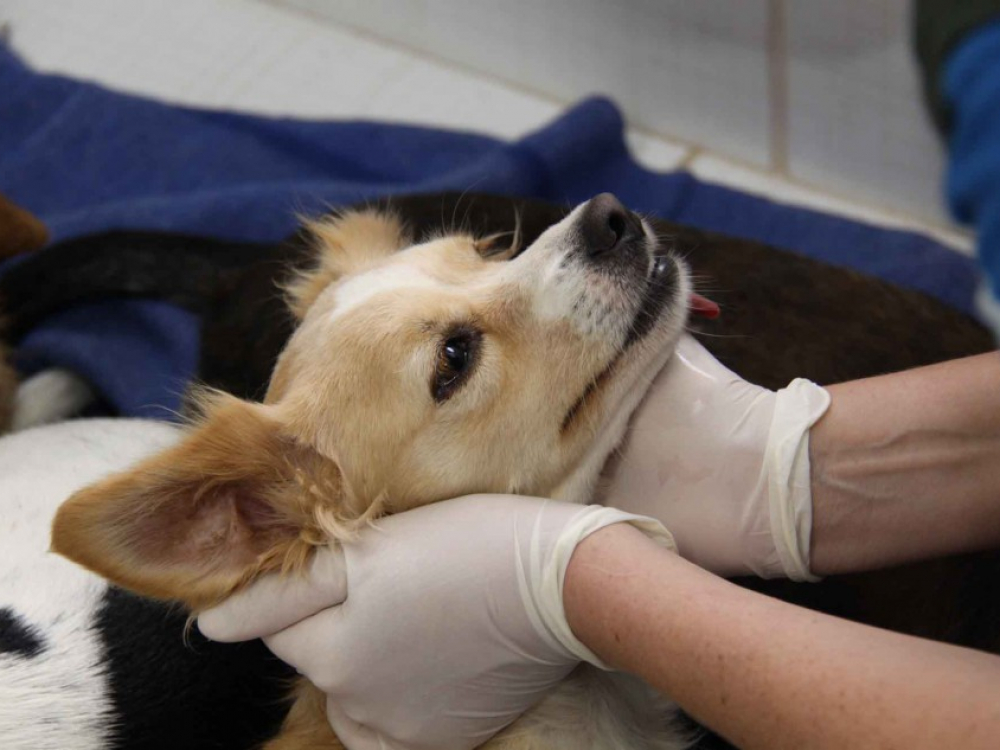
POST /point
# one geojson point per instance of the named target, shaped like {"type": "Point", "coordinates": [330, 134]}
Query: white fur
{"type": "Point", "coordinates": [564, 288]}
{"type": "Point", "coordinates": [596, 710]}
{"type": "Point", "coordinates": [57, 700]}
{"type": "Point", "coordinates": [357, 290]}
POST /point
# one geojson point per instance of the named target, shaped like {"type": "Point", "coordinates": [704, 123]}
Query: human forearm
{"type": "Point", "coordinates": [907, 466]}
{"type": "Point", "coordinates": [767, 674]}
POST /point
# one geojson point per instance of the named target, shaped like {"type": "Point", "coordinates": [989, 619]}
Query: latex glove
{"type": "Point", "coordinates": [724, 464]}
{"type": "Point", "coordinates": [436, 629]}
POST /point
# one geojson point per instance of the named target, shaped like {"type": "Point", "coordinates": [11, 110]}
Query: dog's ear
{"type": "Point", "coordinates": [497, 247]}
{"type": "Point", "coordinates": [233, 499]}
{"type": "Point", "coordinates": [502, 245]}
{"type": "Point", "coordinates": [343, 244]}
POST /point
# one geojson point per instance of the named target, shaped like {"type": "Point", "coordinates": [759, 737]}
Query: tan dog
{"type": "Point", "coordinates": [419, 372]}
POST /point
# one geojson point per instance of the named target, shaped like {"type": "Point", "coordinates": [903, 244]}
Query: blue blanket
{"type": "Point", "coordinates": [86, 159]}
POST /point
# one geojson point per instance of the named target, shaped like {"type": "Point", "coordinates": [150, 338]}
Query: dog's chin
{"type": "Point", "coordinates": [650, 342]}
{"type": "Point", "coordinates": [652, 336]}
{"type": "Point", "coordinates": [660, 317]}
{"type": "Point", "coordinates": [657, 324]}
{"type": "Point", "coordinates": [663, 300]}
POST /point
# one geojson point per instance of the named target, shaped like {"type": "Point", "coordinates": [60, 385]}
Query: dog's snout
{"type": "Point", "coordinates": [605, 225]}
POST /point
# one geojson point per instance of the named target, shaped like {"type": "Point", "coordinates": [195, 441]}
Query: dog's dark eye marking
{"type": "Point", "coordinates": [456, 359]}
{"type": "Point", "coordinates": [16, 637]}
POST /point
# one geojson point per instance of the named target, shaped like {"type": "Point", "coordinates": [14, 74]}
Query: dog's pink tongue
{"type": "Point", "coordinates": [702, 306]}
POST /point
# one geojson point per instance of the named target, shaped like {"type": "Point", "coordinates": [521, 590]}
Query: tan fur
{"type": "Point", "coordinates": [355, 367]}
{"type": "Point", "coordinates": [349, 428]}
{"type": "Point", "coordinates": [236, 499]}
{"type": "Point", "coordinates": [306, 727]}
{"type": "Point", "coordinates": [351, 240]}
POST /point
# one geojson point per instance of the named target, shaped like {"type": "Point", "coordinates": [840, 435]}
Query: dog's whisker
{"type": "Point", "coordinates": [698, 332]}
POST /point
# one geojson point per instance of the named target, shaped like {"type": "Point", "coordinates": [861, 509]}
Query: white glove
{"type": "Point", "coordinates": [724, 464]}
{"type": "Point", "coordinates": [436, 629]}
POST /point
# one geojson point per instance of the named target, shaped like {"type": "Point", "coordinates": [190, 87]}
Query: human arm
{"type": "Point", "coordinates": [702, 456]}
{"type": "Point", "coordinates": [907, 467]}
{"type": "Point", "coordinates": [761, 672]}
{"type": "Point", "coordinates": [695, 457]}
{"type": "Point", "coordinates": [766, 674]}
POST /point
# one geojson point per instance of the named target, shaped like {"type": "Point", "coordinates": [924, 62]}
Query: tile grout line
{"type": "Point", "coordinates": [463, 68]}
{"type": "Point", "coordinates": [373, 37]}
{"type": "Point", "coordinates": [694, 153]}
{"type": "Point", "coordinates": [945, 232]}
{"type": "Point", "coordinates": [778, 82]}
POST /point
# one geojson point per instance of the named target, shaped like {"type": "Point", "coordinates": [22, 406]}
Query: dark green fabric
{"type": "Point", "coordinates": [939, 25]}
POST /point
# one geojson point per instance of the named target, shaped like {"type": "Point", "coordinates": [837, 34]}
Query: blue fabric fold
{"type": "Point", "coordinates": [972, 88]}
{"type": "Point", "coordinates": [86, 159]}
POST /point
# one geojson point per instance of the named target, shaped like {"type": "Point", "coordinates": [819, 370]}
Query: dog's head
{"type": "Point", "coordinates": [419, 371]}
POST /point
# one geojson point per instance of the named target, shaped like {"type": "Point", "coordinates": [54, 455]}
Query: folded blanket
{"type": "Point", "coordinates": [85, 159]}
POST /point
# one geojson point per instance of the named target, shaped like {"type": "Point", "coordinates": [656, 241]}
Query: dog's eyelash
{"type": "Point", "coordinates": [456, 359]}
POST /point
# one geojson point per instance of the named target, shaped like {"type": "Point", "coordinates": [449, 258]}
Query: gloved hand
{"type": "Point", "coordinates": [435, 629]}
{"type": "Point", "coordinates": [724, 464]}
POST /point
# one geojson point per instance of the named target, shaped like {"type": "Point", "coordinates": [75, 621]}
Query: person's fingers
{"type": "Point", "coordinates": [276, 602]}
{"type": "Point", "coordinates": [320, 633]}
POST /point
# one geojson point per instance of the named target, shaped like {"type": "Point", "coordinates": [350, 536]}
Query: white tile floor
{"type": "Point", "coordinates": [720, 171]}
{"type": "Point", "coordinates": [857, 120]}
{"type": "Point", "coordinates": [255, 56]}
{"type": "Point", "coordinates": [694, 70]}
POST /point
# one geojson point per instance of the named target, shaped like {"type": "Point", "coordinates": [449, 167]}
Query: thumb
{"type": "Point", "coordinates": [277, 601]}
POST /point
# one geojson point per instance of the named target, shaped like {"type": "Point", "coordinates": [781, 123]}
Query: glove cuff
{"type": "Point", "coordinates": [541, 583]}
{"type": "Point", "coordinates": [797, 408]}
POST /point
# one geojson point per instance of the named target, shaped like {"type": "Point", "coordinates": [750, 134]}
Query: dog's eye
{"type": "Point", "coordinates": [455, 361]}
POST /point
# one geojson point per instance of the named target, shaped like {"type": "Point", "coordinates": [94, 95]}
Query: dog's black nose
{"type": "Point", "coordinates": [605, 224]}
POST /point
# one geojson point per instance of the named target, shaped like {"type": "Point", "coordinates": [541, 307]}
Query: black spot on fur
{"type": "Point", "coordinates": [16, 637]}
{"type": "Point", "coordinates": [199, 695]}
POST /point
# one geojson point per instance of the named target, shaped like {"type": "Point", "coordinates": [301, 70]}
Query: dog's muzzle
{"type": "Point", "coordinates": [614, 241]}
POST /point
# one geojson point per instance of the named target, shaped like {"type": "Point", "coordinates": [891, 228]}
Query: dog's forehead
{"type": "Point", "coordinates": [443, 264]}
{"type": "Point", "coordinates": [353, 293]}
